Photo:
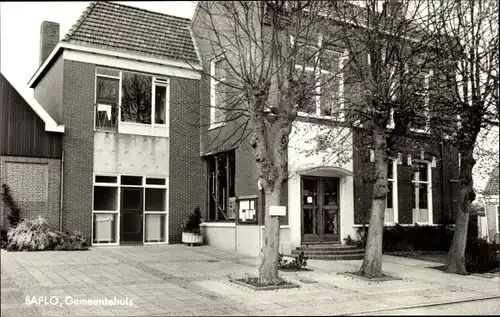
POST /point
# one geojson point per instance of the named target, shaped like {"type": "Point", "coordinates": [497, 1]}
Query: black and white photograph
{"type": "Point", "coordinates": [249, 158]}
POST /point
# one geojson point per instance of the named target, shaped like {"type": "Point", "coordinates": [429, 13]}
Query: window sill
{"type": "Point", "coordinates": [160, 130]}
{"type": "Point", "coordinates": [218, 224]}
{"type": "Point", "coordinates": [321, 117]}
{"type": "Point", "coordinates": [215, 126]}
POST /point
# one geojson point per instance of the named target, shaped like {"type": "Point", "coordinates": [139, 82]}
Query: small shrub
{"type": "Point", "coordinates": [14, 215]}
{"type": "Point", "coordinates": [36, 235]}
{"type": "Point", "coordinates": [72, 242]}
{"type": "Point", "coordinates": [193, 223]}
{"type": "Point", "coordinates": [481, 256]}
{"type": "Point", "coordinates": [32, 235]}
{"type": "Point", "coordinates": [298, 263]}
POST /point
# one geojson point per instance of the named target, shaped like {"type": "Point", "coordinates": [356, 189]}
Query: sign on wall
{"type": "Point", "coordinates": [277, 210]}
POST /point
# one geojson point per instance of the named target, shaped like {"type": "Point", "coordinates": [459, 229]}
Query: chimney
{"type": "Point", "coordinates": [393, 8]}
{"type": "Point", "coordinates": [49, 37]}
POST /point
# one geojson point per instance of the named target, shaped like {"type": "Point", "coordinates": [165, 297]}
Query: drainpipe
{"type": "Point", "coordinates": [443, 187]}
{"type": "Point", "coordinates": [62, 191]}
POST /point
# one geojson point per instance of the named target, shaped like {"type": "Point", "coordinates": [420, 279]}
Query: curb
{"type": "Point", "coordinates": [441, 303]}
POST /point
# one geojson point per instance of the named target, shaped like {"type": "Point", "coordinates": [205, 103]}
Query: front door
{"type": "Point", "coordinates": [131, 215]}
{"type": "Point", "coordinates": [320, 210]}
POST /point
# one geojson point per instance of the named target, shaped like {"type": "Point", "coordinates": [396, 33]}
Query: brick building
{"type": "Point", "coordinates": [124, 83]}
{"type": "Point", "coordinates": [328, 196]}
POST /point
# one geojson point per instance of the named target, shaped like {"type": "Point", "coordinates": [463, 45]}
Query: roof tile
{"type": "Point", "coordinates": [127, 29]}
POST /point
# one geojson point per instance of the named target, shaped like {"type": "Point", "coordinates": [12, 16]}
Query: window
{"type": "Point", "coordinates": [218, 92]}
{"type": "Point", "coordinates": [105, 210]}
{"type": "Point", "coordinates": [418, 86]}
{"type": "Point", "coordinates": [107, 206]}
{"type": "Point", "coordinates": [319, 70]}
{"type": "Point", "coordinates": [107, 99]}
{"type": "Point", "coordinates": [422, 192]}
{"type": "Point", "coordinates": [498, 218]}
{"type": "Point", "coordinates": [220, 186]}
{"type": "Point", "coordinates": [135, 98]}
{"type": "Point", "coordinates": [161, 102]}
{"type": "Point", "coordinates": [391, 210]}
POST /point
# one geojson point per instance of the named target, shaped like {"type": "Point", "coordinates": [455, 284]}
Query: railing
{"type": "Point", "coordinates": [106, 117]}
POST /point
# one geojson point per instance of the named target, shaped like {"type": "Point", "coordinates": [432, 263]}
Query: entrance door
{"type": "Point", "coordinates": [320, 210]}
{"type": "Point", "coordinates": [131, 215]}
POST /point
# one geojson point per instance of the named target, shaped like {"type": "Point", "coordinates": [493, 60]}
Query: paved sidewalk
{"type": "Point", "coordinates": [180, 280]}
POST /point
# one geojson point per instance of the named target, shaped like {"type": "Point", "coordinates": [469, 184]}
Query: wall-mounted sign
{"type": "Point", "coordinates": [277, 210]}
{"type": "Point", "coordinates": [309, 200]}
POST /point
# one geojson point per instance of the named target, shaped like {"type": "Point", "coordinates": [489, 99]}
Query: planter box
{"type": "Point", "coordinates": [192, 238]}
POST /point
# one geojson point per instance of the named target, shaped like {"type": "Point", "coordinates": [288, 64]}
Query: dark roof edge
{"type": "Point", "coordinates": [79, 22]}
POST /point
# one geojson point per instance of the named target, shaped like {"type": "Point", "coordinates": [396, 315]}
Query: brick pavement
{"type": "Point", "coordinates": [193, 281]}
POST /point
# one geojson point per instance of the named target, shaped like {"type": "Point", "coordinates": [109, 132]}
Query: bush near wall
{"type": "Point", "coordinates": [412, 238]}
{"type": "Point", "coordinates": [36, 235]}
{"type": "Point", "coordinates": [417, 238]}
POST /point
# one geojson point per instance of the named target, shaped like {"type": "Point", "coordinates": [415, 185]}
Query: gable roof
{"type": "Point", "coordinates": [492, 187]}
{"type": "Point", "coordinates": [124, 28]}
{"type": "Point", "coordinates": [50, 124]}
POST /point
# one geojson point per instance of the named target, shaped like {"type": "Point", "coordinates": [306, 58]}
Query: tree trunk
{"type": "Point", "coordinates": [268, 270]}
{"type": "Point", "coordinates": [372, 263]}
{"type": "Point", "coordinates": [455, 262]}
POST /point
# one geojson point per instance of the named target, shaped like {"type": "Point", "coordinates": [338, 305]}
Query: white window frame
{"type": "Point", "coordinates": [144, 186]}
{"type": "Point", "coordinates": [415, 192]}
{"type": "Point", "coordinates": [213, 83]}
{"type": "Point", "coordinates": [497, 212]}
{"type": "Point", "coordinates": [115, 212]}
{"type": "Point", "coordinates": [427, 79]}
{"type": "Point", "coordinates": [153, 129]}
{"type": "Point", "coordinates": [317, 72]}
{"type": "Point", "coordinates": [394, 181]}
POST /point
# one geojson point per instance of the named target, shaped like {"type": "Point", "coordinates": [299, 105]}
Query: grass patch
{"type": "Point", "coordinates": [382, 278]}
{"type": "Point", "coordinates": [253, 283]}
{"type": "Point", "coordinates": [294, 269]}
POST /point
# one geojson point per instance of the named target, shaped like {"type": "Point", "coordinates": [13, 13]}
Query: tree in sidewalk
{"type": "Point", "coordinates": [388, 55]}
{"type": "Point", "coordinates": [257, 45]}
{"type": "Point", "coordinates": [470, 35]}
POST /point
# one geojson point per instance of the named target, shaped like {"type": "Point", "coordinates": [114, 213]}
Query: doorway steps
{"type": "Point", "coordinates": [330, 252]}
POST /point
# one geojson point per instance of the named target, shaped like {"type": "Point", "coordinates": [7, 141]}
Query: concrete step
{"type": "Point", "coordinates": [327, 252]}
{"type": "Point", "coordinates": [330, 247]}
{"type": "Point", "coordinates": [337, 257]}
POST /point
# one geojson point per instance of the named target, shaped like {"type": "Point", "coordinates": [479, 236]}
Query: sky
{"type": "Point", "coordinates": [20, 30]}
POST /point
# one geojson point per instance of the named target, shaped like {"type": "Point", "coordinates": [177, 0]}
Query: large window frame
{"type": "Point", "coordinates": [318, 72]}
{"type": "Point", "coordinates": [426, 94]}
{"type": "Point", "coordinates": [214, 83]}
{"type": "Point", "coordinates": [497, 218]}
{"type": "Point", "coordinates": [153, 128]}
{"type": "Point", "coordinates": [393, 164]}
{"type": "Point", "coordinates": [221, 190]}
{"type": "Point", "coordinates": [117, 211]}
{"type": "Point", "coordinates": [416, 181]}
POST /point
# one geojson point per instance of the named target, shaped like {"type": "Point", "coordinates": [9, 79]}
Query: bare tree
{"type": "Point", "coordinates": [258, 45]}
{"type": "Point", "coordinates": [389, 63]}
{"type": "Point", "coordinates": [469, 34]}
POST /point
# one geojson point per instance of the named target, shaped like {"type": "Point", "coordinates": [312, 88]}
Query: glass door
{"type": "Point", "coordinates": [320, 210]}
{"type": "Point", "coordinates": [131, 225]}
{"type": "Point", "coordinates": [310, 211]}
{"type": "Point", "coordinates": [330, 210]}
